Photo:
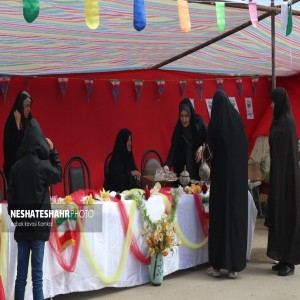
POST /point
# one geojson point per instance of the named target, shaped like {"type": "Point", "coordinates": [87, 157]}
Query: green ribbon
{"type": "Point", "coordinates": [220, 11]}
{"type": "Point", "coordinates": [289, 26]}
{"type": "Point", "coordinates": [31, 9]}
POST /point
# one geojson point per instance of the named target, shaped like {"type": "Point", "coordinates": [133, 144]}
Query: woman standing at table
{"type": "Point", "coordinates": [122, 172]}
{"type": "Point", "coordinates": [15, 126]}
{"type": "Point", "coordinates": [283, 206]}
{"type": "Point", "coordinates": [228, 200]}
{"type": "Point", "coordinates": [186, 145]}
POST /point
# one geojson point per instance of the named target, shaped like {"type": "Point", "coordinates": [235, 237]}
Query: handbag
{"type": "Point", "coordinates": [254, 170]}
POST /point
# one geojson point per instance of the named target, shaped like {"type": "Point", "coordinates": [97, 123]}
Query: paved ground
{"type": "Point", "coordinates": [257, 281]}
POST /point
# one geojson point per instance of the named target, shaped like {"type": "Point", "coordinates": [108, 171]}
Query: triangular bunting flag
{"type": "Point", "coordinates": [161, 86]}
{"type": "Point", "coordinates": [199, 88]}
{"type": "Point", "coordinates": [89, 84]}
{"type": "Point", "coordinates": [138, 84]}
{"type": "Point", "coordinates": [284, 14]}
{"type": "Point", "coordinates": [220, 83]}
{"type": "Point", "coordinates": [182, 84]}
{"type": "Point", "coordinates": [91, 10]}
{"type": "Point", "coordinates": [184, 15]}
{"type": "Point", "coordinates": [253, 13]}
{"type": "Point", "coordinates": [4, 81]}
{"type": "Point", "coordinates": [289, 26]}
{"type": "Point", "coordinates": [139, 15]}
{"type": "Point", "coordinates": [254, 85]}
{"type": "Point", "coordinates": [239, 85]}
{"type": "Point", "coordinates": [63, 85]}
{"type": "Point", "coordinates": [116, 88]}
{"type": "Point", "coordinates": [31, 9]}
{"type": "Point", "coordinates": [220, 12]}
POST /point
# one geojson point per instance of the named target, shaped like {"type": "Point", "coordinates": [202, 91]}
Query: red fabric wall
{"type": "Point", "coordinates": [88, 129]}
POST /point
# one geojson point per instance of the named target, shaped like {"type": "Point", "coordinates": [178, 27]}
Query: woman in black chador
{"type": "Point", "coordinates": [186, 145]}
{"type": "Point", "coordinates": [15, 126]}
{"type": "Point", "coordinates": [283, 207]}
{"type": "Point", "coordinates": [122, 172]}
{"type": "Point", "coordinates": [228, 200]}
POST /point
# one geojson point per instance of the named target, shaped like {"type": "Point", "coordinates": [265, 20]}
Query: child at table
{"type": "Point", "coordinates": [30, 177]}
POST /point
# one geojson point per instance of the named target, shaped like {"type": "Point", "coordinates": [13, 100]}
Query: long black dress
{"type": "Point", "coordinates": [228, 202]}
{"type": "Point", "coordinates": [186, 141]}
{"type": "Point", "coordinates": [283, 206]}
{"type": "Point", "coordinates": [12, 135]}
{"type": "Point", "coordinates": [119, 176]}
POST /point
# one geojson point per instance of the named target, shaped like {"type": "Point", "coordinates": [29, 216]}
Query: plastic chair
{"type": "Point", "coordinates": [151, 161]}
{"type": "Point", "coordinates": [76, 175]}
{"type": "Point", "coordinates": [106, 163]}
{"type": "Point", "coordinates": [3, 187]}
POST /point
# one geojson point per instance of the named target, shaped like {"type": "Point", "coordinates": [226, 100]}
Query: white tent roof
{"type": "Point", "coordinates": [59, 41]}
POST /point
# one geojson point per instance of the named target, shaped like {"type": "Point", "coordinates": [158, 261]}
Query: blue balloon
{"type": "Point", "coordinates": [139, 15]}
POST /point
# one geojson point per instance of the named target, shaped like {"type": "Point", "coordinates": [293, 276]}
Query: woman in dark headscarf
{"type": "Point", "coordinates": [186, 145]}
{"type": "Point", "coordinates": [122, 172]}
{"type": "Point", "coordinates": [15, 126]}
{"type": "Point", "coordinates": [228, 200]}
{"type": "Point", "coordinates": [283, 206]}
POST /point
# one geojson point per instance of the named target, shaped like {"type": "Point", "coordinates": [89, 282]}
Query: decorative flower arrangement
{"type": "Point", "coordinates": [160, 235]}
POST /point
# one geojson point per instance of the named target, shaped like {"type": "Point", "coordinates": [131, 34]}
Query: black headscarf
{"type": "Point", "coordinates": [228, 202]}
{"type": "Point", "coordinates": [185, 141]}
{"type": "Point", "coordinates": [283, 206]}
{"type": "Point", "coordinates": [119, 176]}
{"type": "Point", "coordinates": [12, 135]}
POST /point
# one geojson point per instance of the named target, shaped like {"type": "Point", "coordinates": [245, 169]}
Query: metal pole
{"type": "Point", "coordinates": [273, 47]}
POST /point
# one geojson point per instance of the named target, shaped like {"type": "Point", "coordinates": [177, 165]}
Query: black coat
{"type": "Point", "coordinates": [30, 177]}
{"type": "Point", "coordinates": [228, 201]}
{"type": "Point", "coordinates": [283, 206]}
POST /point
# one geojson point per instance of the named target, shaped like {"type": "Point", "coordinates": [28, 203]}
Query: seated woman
{"type": "Point", "coordinates": [122, 172]}
{"type": "Point", "coordinates": [188, 137]}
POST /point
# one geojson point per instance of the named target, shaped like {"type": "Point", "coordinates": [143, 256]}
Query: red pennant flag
{"type": "Point", "coordinates": [182, 84]}
{"type": "Point", "coordinates": [116, 88]}
{"type": "Point", "coordinates": [4, 80]}
{"type": "Point", "coordinates": [239, 85]}
{"type": "Point", "coordinates": [89, 85]}
{"type": "Point", "coordinates": [220, 83]}
{"type": "Point", "coordinates": [254, 85]}
{"type": "Point", "coordinates": [199, 83]}
{"type": "Point", "coordinates": [161, 86]}
{"type": "Point", "coordinates": [63, 85]}
{"type": "Point", "coordinates": [138, 84]}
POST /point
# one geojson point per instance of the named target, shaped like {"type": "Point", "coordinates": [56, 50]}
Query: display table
{"type": "Point", "coordinates": [149, 180]}
{"type": "Point", "coordinates": [106, 248]}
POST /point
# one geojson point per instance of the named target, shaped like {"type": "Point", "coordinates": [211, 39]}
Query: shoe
{"type": "Point", "coordinates": [213, 272]}
{"type": "Point", "coordinates": [277, 266]}
{"type": "Point", "coordinates": [232, 274]}
{"type": "Point", "coordinates": [286, 271]}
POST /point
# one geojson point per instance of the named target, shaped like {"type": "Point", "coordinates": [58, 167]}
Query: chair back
{"type": "Point", "coordinates": [106, 163]}
{"type": "Point", "coordinates": [3, 186]}
{"type": "Point", "coordinates": [151, 161]}
{"type": "Point", "coordinates": [76, 175]}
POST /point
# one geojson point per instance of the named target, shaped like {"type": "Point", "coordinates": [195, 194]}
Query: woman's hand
{"type": "Point", "coordinates": [136, 174]}
{"type": "Point", "coordinates": [17, 118]}
{"type": "Point", "coordinates": [198, 154]}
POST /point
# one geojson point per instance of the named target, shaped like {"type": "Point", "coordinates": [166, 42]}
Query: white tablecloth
{"type": "Point", "coordinates": [106, 247]}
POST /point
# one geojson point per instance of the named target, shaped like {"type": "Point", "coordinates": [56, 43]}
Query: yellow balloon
{"type": "Point", "coordinates": [92, 18]}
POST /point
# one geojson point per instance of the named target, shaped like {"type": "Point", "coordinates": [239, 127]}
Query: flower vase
{"type": "Point", "coordinates": [157, 269]}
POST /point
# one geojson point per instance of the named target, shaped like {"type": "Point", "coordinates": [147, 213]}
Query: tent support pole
{"type": "Point", "coordinates": [273, 47]}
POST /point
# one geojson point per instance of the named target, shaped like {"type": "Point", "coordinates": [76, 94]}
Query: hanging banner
{"type": "Point", "coordinates": [220, 12]}
{"type": "Point", "coordinates": [91, 10]}
{"type": "Point", "coordinates": [4, 81]}
{"type": "Point", "coordinates": [31, 9]}
{"type": "Point", "coordinates": [199, 83]}
{"type": "Point", "coordinates": [239, 85]}
{"type": "Point", "coordinates": [63, 85]}
{"type": "Point", "coordinates": [138, 84]}
{"type": "Point", "coordinates": [284, 14]}
{"type": "Point", "coordinates": [249, 108]}
{"type": "Point", "coordinates": [182, 84]}
{"type": "Point", "coordinates": [161, 86]}
{"type": "Point", "coordinates": [89, 85]}
{"type": "Point", "coordinates": [253, 13]}
{"type": "Point", "coordinates": [139, 15]}
{"type": "Point", "coordinates": [220, 83]}
{"type": "Point", "coordinates": [209, 106]}
{"type": "Point", "coordinates": [254, 81]}
{"type": "Point", "coordinates": [233, 102]}
{"type": "Point", "coordinates": [116, 88]}
{"type": "Point", "coordinates": [289, 26]}
{"type": "Point", "coordinates": [184, 15]}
